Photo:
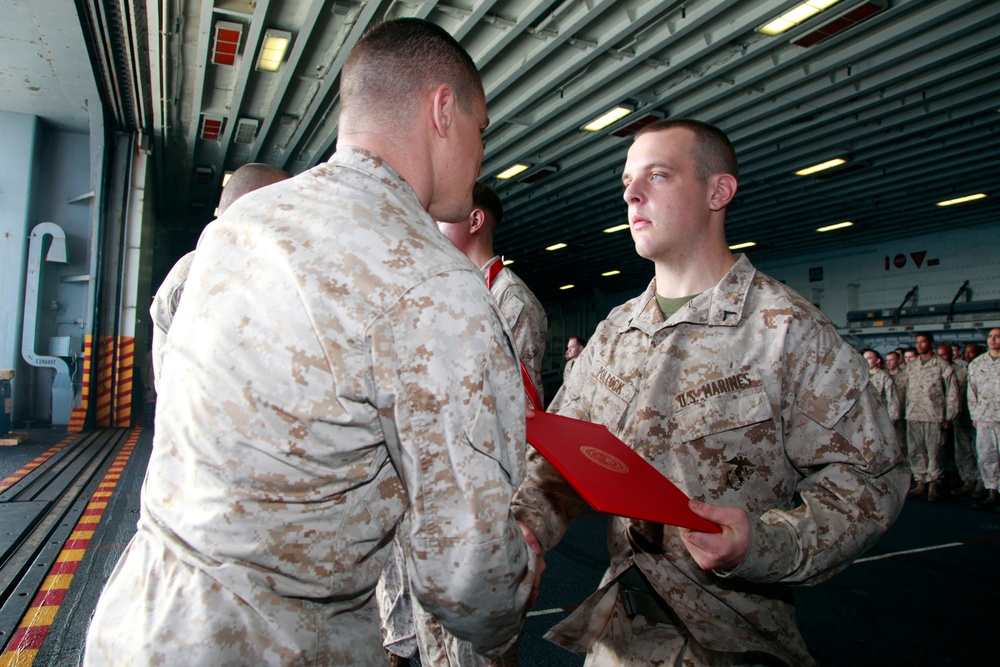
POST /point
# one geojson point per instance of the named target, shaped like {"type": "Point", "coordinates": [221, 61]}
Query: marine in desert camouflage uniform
{"type": "Point", "coordinates": [574, 347]}
{"type": "Point", "coordinates": [334, 363]}
{"type": "Point", "coordinates": [528, 324]}
{"type": "Point", "coordinates": [984, 407]}
{"type": "Point", "coordinates": [960, 433]}
{"type": "Point", "coordinates": [748, 399]}
{"type": "Point", "coordinates": [895, 369]}
{"type": "Point", "coordinates": [883, 384]}
{"type": "Point", "coordinates": [931, 399]}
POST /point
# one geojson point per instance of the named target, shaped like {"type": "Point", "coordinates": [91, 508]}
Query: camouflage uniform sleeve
{"type": "Point", "coordinates": [853, 478]}
{"type": "Point", "coordinates": [892, 400]}
{"type": "Point", "coordinates": [459, 420]}
{"type": "Point", "coordinates": [953, 396]}
{"type": "Point", "coordinates": [530, 330]}
{"type": "Point", "coordinates": [528, 324]}
{"type": "Point", "coordinates": [165, 304]}
{"type": "Point", "coordinates": [901, 389]}
{"type": "Point", "coordinates": [545, 502]}
{"type": "Point", "coordinates": [972, 394]}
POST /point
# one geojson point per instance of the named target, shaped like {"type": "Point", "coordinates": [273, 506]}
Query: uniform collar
{"type": "Point", "coordinates": [724, 305]}
{"type": "Point", "coordinates": [370, 164]}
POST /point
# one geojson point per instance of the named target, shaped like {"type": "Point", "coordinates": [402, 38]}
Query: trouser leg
{"type": "Point", "coordinates": [937, 452]}
{"type": "Point", "coordinates": [916, 447]}
{"type": "Point", "coordinates": [989, 458]}
{"type": "Point", "coordinates": [965, 452]}
{"type": "Point", "coordinates": [901, 437]}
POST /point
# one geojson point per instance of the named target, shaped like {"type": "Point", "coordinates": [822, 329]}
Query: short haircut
{"type": "Point", "coordinates": [486, 198]}
{"type": "Point", "coordinates": [248, 178]}
{"type": "Point", "coordinates": [396, 61]}
{"type": "Point", "coordinates": [579, 339]}
{"type": "Point", "coordinates": [713, 152]}
{"type": "Point", "coordinates": [875, 352]}
{"type": "Point", "coordinates": [892, 352]}
{"type": "Point", "coordinates": [926, 334]}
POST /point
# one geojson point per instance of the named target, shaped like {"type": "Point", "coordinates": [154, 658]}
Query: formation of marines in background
{"type": "Point", "coordinates": [945, 402]}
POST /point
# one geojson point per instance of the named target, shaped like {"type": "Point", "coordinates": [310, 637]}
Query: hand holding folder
{"type": "Point", "coordinates": [608, 474]}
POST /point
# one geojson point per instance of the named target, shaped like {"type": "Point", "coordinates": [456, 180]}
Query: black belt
{"type": "Point", "coordinates": [640, 599]}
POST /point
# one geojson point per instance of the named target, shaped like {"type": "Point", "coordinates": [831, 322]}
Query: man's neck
{"type": "Point", "coordinates": [926, 357]}
{"type": "Point", "coordinates": [995, 355]}
{"type": "Point", "coordinates": [693, 276]}
{"type": "Point", "coordinates": [480, 256]}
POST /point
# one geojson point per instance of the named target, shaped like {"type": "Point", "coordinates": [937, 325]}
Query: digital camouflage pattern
{"type": "Point", "coordinates": [930, 394]}
{"type": "Point", "coordinates": [334, 363]}
{"type": "Point", "coordinates": [746, 397]}
{"type": "Point", "coordinates": [984, 408]}
{"type": "Point", "coordinates": [930, 391]}
{"type": "Point", "coordinates": [963, 436]}
{"type": "Point", "coordinates": [983, 391]}
{"type": "Point", "coordinates": [885, 389]}
{"type": "Point", "coordinates": [168, 296]}
{"type": "Point", "coordinates": [407, 628]}
{"type": "Point", "coordinates": [526, 318]}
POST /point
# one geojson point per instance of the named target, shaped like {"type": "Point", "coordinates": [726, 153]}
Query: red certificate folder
{"type": "Point", "coordinates": [608, 474]}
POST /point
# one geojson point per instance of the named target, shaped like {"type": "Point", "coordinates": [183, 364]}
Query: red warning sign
{"type": "Point", "coordinates": [918, 257]}
{"type": "Point", "coordinates": [899, 261]}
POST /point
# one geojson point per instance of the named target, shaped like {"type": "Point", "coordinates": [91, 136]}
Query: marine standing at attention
{"type": "Point", "coordinates": [743, 394]}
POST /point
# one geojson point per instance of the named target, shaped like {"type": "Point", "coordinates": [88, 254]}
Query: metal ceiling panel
{"type": "Point", "coordinates": [909, 96]}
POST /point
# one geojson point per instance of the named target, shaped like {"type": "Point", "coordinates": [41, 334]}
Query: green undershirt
{"type": "Point", "coordinates": [670, 306]}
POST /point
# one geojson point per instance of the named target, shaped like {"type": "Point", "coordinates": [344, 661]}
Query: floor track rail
{"type": "Point", "coordinates": [38, 513]}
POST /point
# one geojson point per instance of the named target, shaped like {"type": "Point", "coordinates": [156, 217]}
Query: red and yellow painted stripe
{"type": "Point", "coordinates": [79, 415]}
{"type": "Point", "coordinates": [16, 477]}
{"type": "Point", "coordinates": [34, 627]}
{"type": "Point", "coordinates": [115, 362]}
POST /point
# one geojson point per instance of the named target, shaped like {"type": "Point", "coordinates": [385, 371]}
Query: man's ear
{"type": "Point", "coordinates": [443, 110]}
{"type": "Point", "coordinates": [723, 191]}
{"type": "Point", "coordinates": [476, 220]}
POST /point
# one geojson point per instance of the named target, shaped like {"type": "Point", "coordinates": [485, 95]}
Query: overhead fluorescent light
{"type": "Point", "coordinates": [512, 171]}
{"type": "Point", "coordinates": [740, 246]}
{"type": "Point", "coordinates": [841, 22]}
{"type": "Point", "coordinates": [822, 166]}
{"type": "Point", "coordinates": [839, 225]}
{"type": "Point", "coordinates": [962, 200]}
{"type": "Point", "coordinates": [226, 175]}
{"type": "Point", "coordinates": [611, 273]}
{"type": "Point", "coordinates": [609, 117]}
{"type": "Point", "coordinates": [556, 246]}
{"type": "Point", "coordinates": [638, 124]}
{"type": "Point", "coordinates": [272, 49]}
{"type": "Point", "coordinates": [226, 42]}
{"type": "Point", "coordinates": [616, 228]}
{"type": "Point", "coordinates": [567, 287]}
{"type": "Point", "coordinates": [795, 16]}
{"type": "Point", "coordinates": [541, 173]}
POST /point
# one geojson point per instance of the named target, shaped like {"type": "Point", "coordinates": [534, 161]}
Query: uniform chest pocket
{"type": "Point", "coordinates": [724, 412]}
{"type": "Point", "coordinates": [610, 397]}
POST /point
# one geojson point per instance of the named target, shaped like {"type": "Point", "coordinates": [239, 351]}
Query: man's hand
{"type": "Point", "coordinates": [532, 541]}
{"type": "Point", "coordinates": [718, 551]}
